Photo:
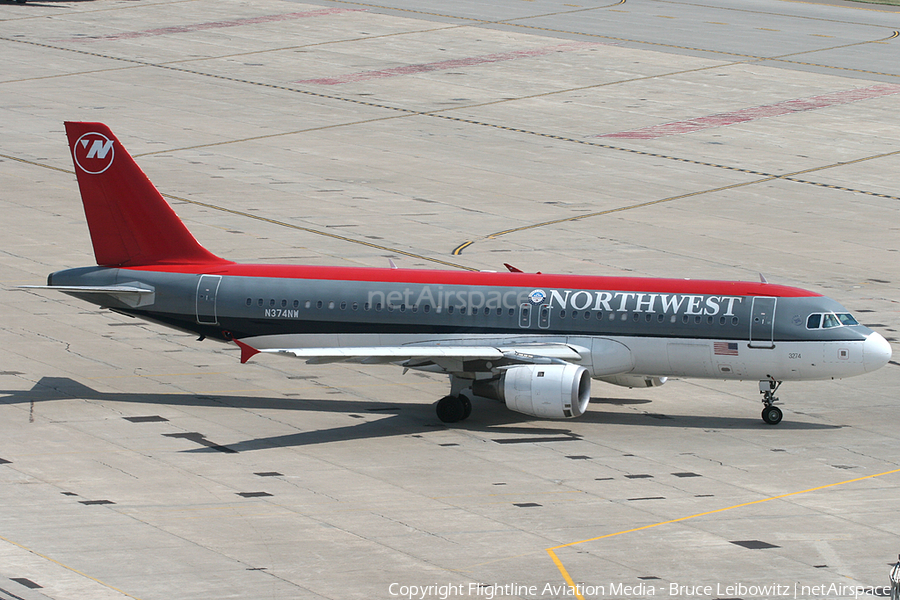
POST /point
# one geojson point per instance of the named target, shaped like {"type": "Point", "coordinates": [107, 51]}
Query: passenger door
{"type": "Point", "coordinates": [207, 290]}
{"type": "Point", "coordinates": [762, 322]}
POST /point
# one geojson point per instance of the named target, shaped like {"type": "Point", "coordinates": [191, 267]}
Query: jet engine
{"type": "Point", "coordinates": [633, 381]}
{"type": "Point", "coordinates": [546, 391]}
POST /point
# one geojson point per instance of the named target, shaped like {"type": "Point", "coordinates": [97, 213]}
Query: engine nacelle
{"type": "Point", "coordinates": [546, 391]}
{"type": "Point", "coordinates": [633, 381]}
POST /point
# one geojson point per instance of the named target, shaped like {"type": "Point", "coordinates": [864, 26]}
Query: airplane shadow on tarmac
{"type": "Point", "coordinates": [491, 418]}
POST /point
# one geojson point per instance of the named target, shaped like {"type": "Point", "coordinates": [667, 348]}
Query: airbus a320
{"type": "Point", "coordinates": [532, 341]}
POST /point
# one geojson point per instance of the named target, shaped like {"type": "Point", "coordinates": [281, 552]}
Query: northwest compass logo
{"type": "Point", "coordinates": [537, 296]}
{"type": "Point", "coordinates": [94, 153]}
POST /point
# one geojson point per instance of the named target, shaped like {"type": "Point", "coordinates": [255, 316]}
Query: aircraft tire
{"type": "Point", "coordinates": [451, 409]}
{"type": "Point", "coordinates": [467, 406]}
{"type": "Point", "coordinates": [772, 415]}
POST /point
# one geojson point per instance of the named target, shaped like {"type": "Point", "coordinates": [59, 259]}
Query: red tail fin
{"type": "Point", "coordinates": [131, 224]}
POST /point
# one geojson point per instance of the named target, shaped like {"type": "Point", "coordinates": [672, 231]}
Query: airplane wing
{"type": "Point", "coordinates": [448, 358]}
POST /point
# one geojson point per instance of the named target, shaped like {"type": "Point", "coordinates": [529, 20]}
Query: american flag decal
{"type": "Point", "coordinates": [725, 348]}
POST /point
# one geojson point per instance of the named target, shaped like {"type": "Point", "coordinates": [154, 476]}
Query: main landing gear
{"type": "Point", "coordinates": [771, 414]}
{"type": "Point", "coordinates": [451, 409]}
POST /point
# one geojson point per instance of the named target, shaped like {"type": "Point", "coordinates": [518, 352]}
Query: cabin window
{"type": "Point", "coordinates": [660, 318]}
{"type": "Point", "coordinates": [319, 304]}
{"type": "Point", "coordinates": [378, 306]}
{"type": "Point", "coordinates": [450, 310]}
{"type": "Point", "coordinates": [562, 314]}
{"type": "Point", "coordinates": [343, 306]}
{"type": "Point", "coordinates": [296, 304]}
{"type": "Point", "coordinates": [648, 317]}
{"type": "Point", "coordinates": [259, 302]}
{"type": "Point", "coordinates": [599, 315]}
{"type": "Point", "coordinates": [272, 302]}
{"type": "Point", "coordinates": [249, 301]}
{"type": "Point", "coordinates": [308, 304]}
{"type": "Point", "coordinates": [402, 308]}
{"type": "Point", "coordinates": [427, 308]}
{"type": "Point", "coordinates": [636, 317]}
{"type": "Point", "coordinates": [284, 304]}
{"type": "Point", "coordinates": [366, 306]}
{"type": "Point", "coordinates": [587, 315]}
{"type": "Point", "coordinates": [734, 320]}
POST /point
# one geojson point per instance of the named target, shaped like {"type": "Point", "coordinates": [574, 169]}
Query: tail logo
{"type": "Point", "coordinates": [94, 153]}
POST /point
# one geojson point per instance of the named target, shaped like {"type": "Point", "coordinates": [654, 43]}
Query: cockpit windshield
{"type": "Point", "coordinates": [829, 320]}
{"type": "Point", "coordinates": [847, 319]}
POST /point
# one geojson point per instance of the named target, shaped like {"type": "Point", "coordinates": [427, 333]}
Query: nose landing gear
{"type": "Point", "coordinates": [771, 414]}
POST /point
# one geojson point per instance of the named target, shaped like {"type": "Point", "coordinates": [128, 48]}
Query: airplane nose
{"type": "Point", "coordinates": [876, 352]}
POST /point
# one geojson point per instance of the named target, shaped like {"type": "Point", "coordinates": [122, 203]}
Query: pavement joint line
{"type": "Point", "coordinates": [322, 233]}
{"type": "Point", "coordinates": [574, 588]}
{"type": "Point", "coordinates": [409, 112]}
{"type": "Point", "coordinates": [435, 114]}
{"type": "Point", "coordinates": [767, 177]}
{"type": "Point", "coordinates": [764, 12]}
{"type": "Point", "coordinates": [274, 221]}
{"type": "Point", "coordinates": [67, 567]}
{"type": "Point", "coordinates": [81, 12]}
{"type": "Point", "coordinates": [271, 135]}
{"type": "Point", "coordinates": [480, 21]}
{"type": "Point", "coordinates": [511, 23]}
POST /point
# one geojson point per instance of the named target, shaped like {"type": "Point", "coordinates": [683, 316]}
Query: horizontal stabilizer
{"type": "Point", "coordinates": [91, 289]}
{"type": "Point", "coordinates": [130, 295]}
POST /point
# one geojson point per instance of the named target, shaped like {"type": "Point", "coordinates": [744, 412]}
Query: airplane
{"type": "Point", "coordinates": [530, 340]}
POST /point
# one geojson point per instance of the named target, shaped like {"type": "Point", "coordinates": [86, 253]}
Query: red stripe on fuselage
{"type": "Point", "coordinates": [468, 278]}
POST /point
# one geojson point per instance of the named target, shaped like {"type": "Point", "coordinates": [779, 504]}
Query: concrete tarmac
{"type": "Point", "coordinates": [699, 140]}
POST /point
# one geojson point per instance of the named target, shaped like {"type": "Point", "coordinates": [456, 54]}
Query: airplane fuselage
{"type": "Point", "coordinates": [682, 328]}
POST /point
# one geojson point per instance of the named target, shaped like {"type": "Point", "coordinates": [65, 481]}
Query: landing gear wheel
{"type": "Point", "coordinates": [451, 409]}
{"type": "Point", "coordinates": [467, 406]}
{"type": "Point", "coordinates": [772, 415]}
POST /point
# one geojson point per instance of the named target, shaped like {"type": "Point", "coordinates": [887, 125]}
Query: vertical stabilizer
{"type": "Point", "coordinates": [131, 224]}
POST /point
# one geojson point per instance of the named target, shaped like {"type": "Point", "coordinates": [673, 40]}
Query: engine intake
{"type": "Point", "coordinates": [546, 391]}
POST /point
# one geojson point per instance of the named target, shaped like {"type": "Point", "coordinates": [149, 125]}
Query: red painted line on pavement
{"type": "Point", "coordinates": [758, 112]}
{"type": "Point", "coordinates": [450, 64]}
{"type": "Point", "coordinates": [215, 25]}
